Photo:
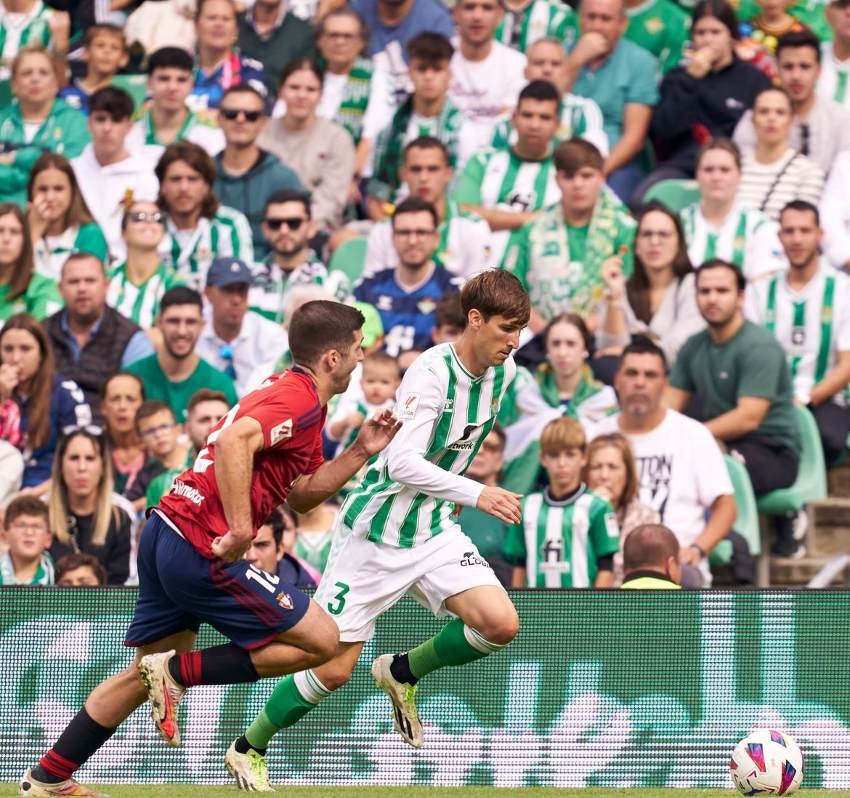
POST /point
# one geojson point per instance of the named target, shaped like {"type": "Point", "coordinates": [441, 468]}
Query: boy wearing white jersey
{"type": "Point", "coordinates": [719, 227]}
{"type": "Point", "coordinates": [568, 535]}
{"type": "Point", "coordinates": [808, 310]}
{"type": "Point", "coordinates": [397, 533]}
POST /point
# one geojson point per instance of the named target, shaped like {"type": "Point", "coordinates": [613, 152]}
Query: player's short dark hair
{"type": "Point", "coordinates": [541, 90]}
{"type": "Point", "coordinates": [244, 88]}
{"type": "Point", "coordinates": [803, 206]}
{"type": "Point", "coordinates": [113, 101]}
{"type": "Point", "coordinates": [416, 205]}
{"type": "Point", "coordinates": [449, 312]}
{"type": "Point", "coordinates": [427, 143]}
{"type": "Point", "coordinates": [26, 505]}
{"type": "Point", "coordinates": [719, 263]}
{"type": "Point", "coordinates": [641, 345]}
{"type": "Point", "coordinates": [70, 562]}
{"type": "Point", "coordinates": [180, 295]}
{"type": "Point", "coordinates": [648, 546]}
{"type": "Point", "coordinates": [289, 195]}
{"type": "Point", "coordinates": [432, 48]}
{"type": "Point", "coordinates": [150, 408]}
{"type": "Point", "coordinates": [321, 326]}
{"type": "Point", "coordinates": [170, 58]}
{"type": "Point", "coordinates": [574, 154]}
{"type": "Point", "coordinates": [798, 38]}
{"type": "Point", "coordinates": [205, 395]}
{"type": "Point", "coordinates": [495, 292]}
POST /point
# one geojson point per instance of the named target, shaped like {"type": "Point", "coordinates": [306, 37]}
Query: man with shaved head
{"type": "Point", "coordinates": [651, 559]}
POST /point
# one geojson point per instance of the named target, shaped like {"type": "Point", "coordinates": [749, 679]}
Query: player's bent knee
{"type": "Point", "coordinates": [335, 674]}
{"type": "Point", "coordinates": [500, 628]}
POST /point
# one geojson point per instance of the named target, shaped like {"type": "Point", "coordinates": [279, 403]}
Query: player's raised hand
{"type": "Point", "coordinates": [500, 503]}
{"type": "Point", "coordinates": [231, 547]}
{"type": "Point", "coordinates": [377, 432]}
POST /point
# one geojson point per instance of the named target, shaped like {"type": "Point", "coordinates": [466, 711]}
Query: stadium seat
{"type": "Point", "coordinates": [810, 485]}
{"type": "Point", "coordinates": [675, 194]}
{"type": "Point", "coordinates": [350, 258]}
{"type": "Point", "coordinates": [135, 85]}
{"type": "Point", "coordinates": [747, 522]}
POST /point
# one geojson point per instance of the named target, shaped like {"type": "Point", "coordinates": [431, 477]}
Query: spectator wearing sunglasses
{"type": "Point", "coordinates": [287, 228]}
{"type": "Point", "coordinates": [246, 175]}
{"type": "Point", "coordinates": [237, 340]}
{"type": "Point", "coordinates": [107, 170]}
{"type": "Point", "coordinates": [85, 515]}
{"type": "Point", "coordinates": [137, 285]}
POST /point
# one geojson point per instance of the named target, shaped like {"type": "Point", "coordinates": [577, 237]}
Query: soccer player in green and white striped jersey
{"type": "Point", "coordinates": [808, 310]}
{"type": "Point", "coordinates": [508, 187]}
{"type": "Point", "coordinates": [199, 229]}
{"type": "Point", "coordinates": [398, 533]}
{"type": "Point", "coordinates": [568, 535]}
{"type": "Point", "coordinates": [137, 285]}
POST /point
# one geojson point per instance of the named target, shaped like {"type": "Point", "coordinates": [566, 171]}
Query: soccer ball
{"type": "Point", "coordinates": [767, 761]}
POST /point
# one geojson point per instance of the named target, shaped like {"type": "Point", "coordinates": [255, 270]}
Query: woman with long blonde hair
{"type": "Point", "coordinates": [83, 513]}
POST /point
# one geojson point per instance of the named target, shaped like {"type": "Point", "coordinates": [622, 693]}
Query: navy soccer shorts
{"type": "Point", "coordinates": [179, 589]}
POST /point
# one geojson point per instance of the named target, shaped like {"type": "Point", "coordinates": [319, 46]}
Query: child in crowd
{"type": "Point", "coordinates": [104, 53]}
{"type": "Point", "coordinates": [79, 570]}
{"type": "Point", "coordinates": [568, 536]}
{"type": "Point", "coordinates": [27, 533]}
{"type": "Point", "coordinates": [160, 434]}
{"type": "Point", "coordinates": [380, 380]}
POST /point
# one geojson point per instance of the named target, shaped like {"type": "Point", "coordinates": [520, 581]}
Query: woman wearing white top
{"type": "Point", "coordinates": [718, 226]}
{"type": "Point", "coordinates": [774, 173]}
{"type": "Point", "coordinates": [659, 299]}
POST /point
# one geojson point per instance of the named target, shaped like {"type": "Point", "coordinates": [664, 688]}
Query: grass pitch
{"type": "Point", "coordinates": [190, 791]}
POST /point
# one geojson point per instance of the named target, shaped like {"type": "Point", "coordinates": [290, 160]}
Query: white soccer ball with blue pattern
{"type": "Point", "coordinates": [768, 762]}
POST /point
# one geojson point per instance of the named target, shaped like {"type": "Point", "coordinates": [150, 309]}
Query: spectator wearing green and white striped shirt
{"type": "Point", "coordinates": [199, 228]}
{"type": "Point", "coordinates": [136, 286]}
{"type": "Point", "coordinates": [568, 535]}
{"type": "Point", "coordinates": [834, 81]}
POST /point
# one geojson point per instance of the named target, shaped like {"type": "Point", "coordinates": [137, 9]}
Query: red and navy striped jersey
{"type": "Point", "coordinates": [292, 417]}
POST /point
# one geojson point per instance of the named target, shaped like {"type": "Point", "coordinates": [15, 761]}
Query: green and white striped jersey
{"type": "Point", "coordinates": [409, 494]}
{"type": "Point", "coordinates": [748, 238]}
{"type": "Point", "coordinates": [581, 117]}
{"type": "Point", "coordinates": [19, 30]}
{"type": "Point", "coordinates": [538, 20]}
{"type": "Point", "coordinates": [498, 178]}
{"type": "Point", "coordinates": [190, 252]}
{"type": "Point", "coordinates": [834, 80]}
{"type": "Point", "coordinates": [559, 543]}
{"type": "Point", "coordinates": [140, 303]}
{"type": "Point", "coordinates": [812, 324]}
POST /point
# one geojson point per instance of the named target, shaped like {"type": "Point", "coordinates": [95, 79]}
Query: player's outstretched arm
{"type": "Point", "coordinates": [237, 444]}
{"type": "Point", "coordinates": [374, 436]}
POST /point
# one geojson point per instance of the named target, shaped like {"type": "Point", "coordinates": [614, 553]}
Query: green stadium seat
{"type": "Point", "coordinates": [675, 194]}
{"type": "Point", "coordinates": [747, 522]}
{"type": "Point", "coordinates": [350, 258]}
{"type": "Point", "coordinates": [810, 485]}
{"type": "Point", "coordinates": [135, 85]}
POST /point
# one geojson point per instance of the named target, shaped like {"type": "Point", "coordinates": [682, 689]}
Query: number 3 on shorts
{"type": "Point", "coordinates": [337, 603]}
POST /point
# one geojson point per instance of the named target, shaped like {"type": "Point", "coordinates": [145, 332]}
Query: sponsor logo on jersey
{"type": "Point", "coordinates": [611, 526]}
{"type": "Point", "coordinates": [409, 406]}
{"type": "Point", "coordinates": [284, 600]}
{"type": "Point", "coordinates": [281, 432]}
{"type": "Point", "coordinates": [187, 492]}
{"type": "Point", "coordinates": [470, 559]}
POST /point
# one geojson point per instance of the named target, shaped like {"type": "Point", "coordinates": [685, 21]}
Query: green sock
{"type": "Point", "coordinates": [455, 644]}
{"type": "Point", "coordinates": [292, 698]}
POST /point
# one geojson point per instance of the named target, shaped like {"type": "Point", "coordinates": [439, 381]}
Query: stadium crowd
{"type": "Point", "coordinates": [178, 176]}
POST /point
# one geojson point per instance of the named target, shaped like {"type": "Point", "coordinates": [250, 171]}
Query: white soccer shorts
{"type": "Point", "coordinates": [362, 580]}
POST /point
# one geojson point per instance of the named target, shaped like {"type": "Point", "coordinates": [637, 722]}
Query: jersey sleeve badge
{"type": "Point", "coordinates": [281, 432]}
